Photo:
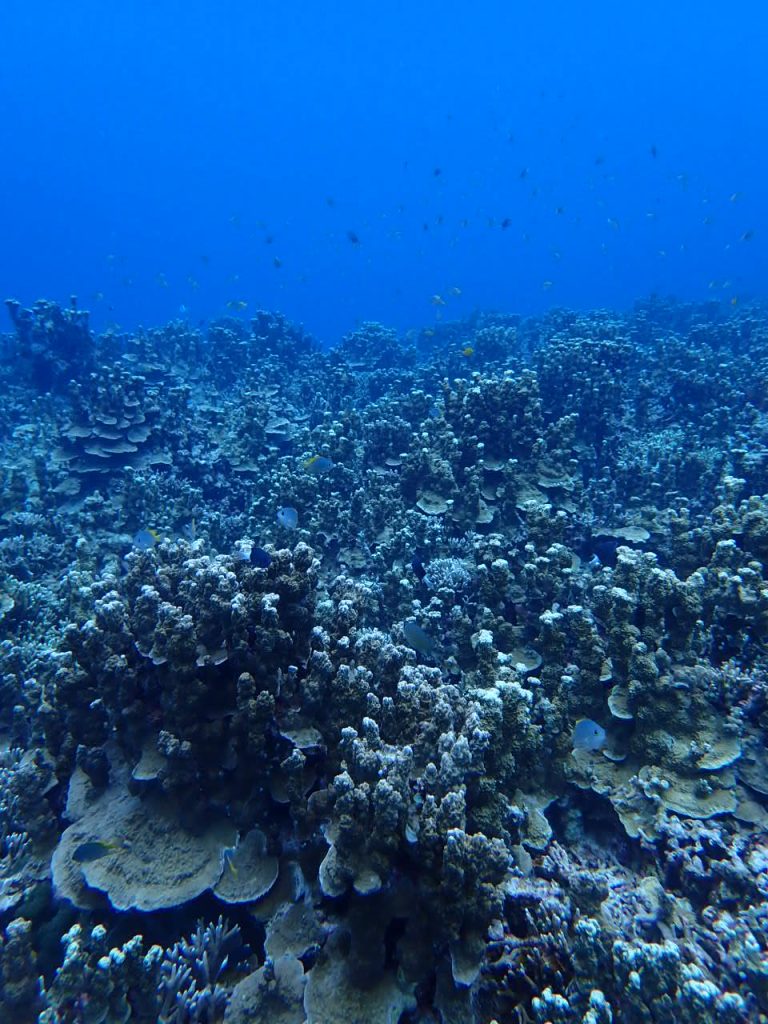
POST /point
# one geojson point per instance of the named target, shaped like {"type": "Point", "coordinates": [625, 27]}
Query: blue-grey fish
{"type": "Point", "coordinates": [416, 638]}
{"type": "Point", "coordinates": [287, 517]}
{"type": "Point", "coordinates": [145, 540]}
{"type": "Point", "coordinates": [588, 735]}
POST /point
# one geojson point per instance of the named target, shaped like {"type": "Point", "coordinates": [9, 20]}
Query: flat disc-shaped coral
{"type": "Point", "coordinates": [250, 871]}
{"type": "Point", "coordinates": [753, 767]}
{"type": "Point", "coordinates": [525, 659]}
{"type": "Point", "coordinates": [692, 799]}
{"type": "Point", "coordinates": [92, 825]}
{"type": "Point", "coordinates": [634, 534]}
{"type": "Point", "coordinates": [304, 737]}
{"type": "Point", "coordinates": [156, 863]}
{"type": "Point", "coordinates": [467, 956]}
{"type": "Point", "coordinates": [749, 810]}
{"type": "Point", "coordinates": [294, 929]}
{"type": "Point", "coordinates": [333, 876]}
{"type": "Point", "coordinates": [618, 703]}
{"type": "Point", "coordinates": [432, 504]}
{"type": "Point", "coordinates": [721, 750]}
{"type": "Point", "coordinates": [289, 887]}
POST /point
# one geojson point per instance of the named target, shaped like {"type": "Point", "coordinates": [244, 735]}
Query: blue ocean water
{"type": "Point", "coordinates": [400, 162]}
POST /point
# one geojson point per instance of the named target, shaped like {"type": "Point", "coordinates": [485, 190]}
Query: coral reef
{"type": "Point", "coordinates": [476, 733]}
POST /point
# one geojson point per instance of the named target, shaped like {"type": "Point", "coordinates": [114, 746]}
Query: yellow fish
{"type": "Point", "coordinates": [318, 464]}
{"type": "Point", "coordinates": [468, 351]}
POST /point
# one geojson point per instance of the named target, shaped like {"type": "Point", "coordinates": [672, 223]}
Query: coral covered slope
{"type": "Point", "coordinates": [417, 679]}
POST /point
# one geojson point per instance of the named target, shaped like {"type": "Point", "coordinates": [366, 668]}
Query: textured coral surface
{"type": "Point", "coordinates": [387, 683]}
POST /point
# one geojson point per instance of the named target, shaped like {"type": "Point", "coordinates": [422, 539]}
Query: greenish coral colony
{"type": "Point", "coordinates": [478, 735]}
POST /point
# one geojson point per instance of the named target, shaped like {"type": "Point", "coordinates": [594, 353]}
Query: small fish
{"type": "Point", "coordinates": [318, 464]}
{"type": "Point", "coordinates": [238, 305]}
{"type": "Point", "coordinates": [95, 849]}
{"type": "Point", "coordinates": [436, 172]}
{"type": "Point", "coordinates": [145, 540]}
{"type": "Point", "coordinates": [437, 300]}
{"type": "Point", "coordinates": [747, 236]}
{"type": "Point", "coordinates": [287, 517]}
{"type": "Point", "coordinates": [227, 856]}
{"type": "Point", "coordinates": [455, 292]}
{"type": "Point", "coordinates": [506, 223]}
{"type": "Point", "coordinates": [353, 237]}
{"type": "Point", "coordinates": [588, 735]}
{"type": "Point", "coordinates": [653, 151]}
{"type": "Point", "coordinates": [418, 568]}
{"type": "Point", "coordinates": [260, 558]}
{"type": "Point", "coordinates": [277, 262]}
{"type": "Point", "coordinates": [467, 351]}
{"type": "Point", "coordinates": [162, 280]}
{"type": "Point", "coordinates": [417, 639]}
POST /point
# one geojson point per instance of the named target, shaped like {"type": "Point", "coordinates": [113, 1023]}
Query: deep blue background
{"type": "Point", "coordinates": [165, 154]}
